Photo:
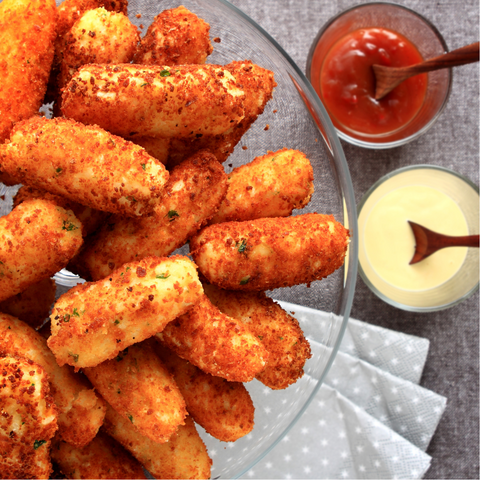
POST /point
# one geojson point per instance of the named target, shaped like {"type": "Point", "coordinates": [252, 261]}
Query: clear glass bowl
{"type": "Point", "coordinates": [296, 119]}
{"type": "Point", "coordinates": [465, 281]}
{"type": "Point", "coordinates": [415, 28]}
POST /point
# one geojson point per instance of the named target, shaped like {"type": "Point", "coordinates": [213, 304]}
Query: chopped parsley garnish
{"type": "Point", "coordinates": [130, 418]}
{"type": "Point", "coordinates": [116, 322]}
{"type": "Point", "coordinates": [66, 318]}
{"type": "Point", "coordinates": [165, 73]}
{"type": "Point", "coordinates": [244, 280]}
{"type": "Point", "coordinates": [58, 170]}
{"type": "Point", "coordinates": [162, 276]}
{"type": "Point", "coordinates": [69, 226]}
{"type": "Point", "coordinates": [74, 355]}
{"type": "Point", "coordinates": [241, 246]}
{"type": "Point", "coordinates": [38, 443]}
{"type": "Point", "coordinates": [172, 214]}
{"type": "Point", "coordinates": [75, 312]}
{"type": "Point", "coordinates": [144, 165]}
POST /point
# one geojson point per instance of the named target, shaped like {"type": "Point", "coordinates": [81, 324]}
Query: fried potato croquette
{"type": "Point", "coordinates": [27, 33]}
{"type": "Point", "coordinates": [80, 410]}
{"type": "Point", "coordinates": [248, 255]}
{"type": "Point", "coordinates": [258, 84]}
{"type": "Point", "coordinates": [103, 457]}
{"type": "Point", "coordinates": [98, 36]}
{"type": "Point", "coordinates": [175, 37]}
{"type": "Point", "coordinates": [90, 218]}
{"type": "Point", "coordinates": [140, 388]}
{"type": "Point", "coordinates": [37, 239]}
{"type": "Point", "coordinates": [156, 147]}
{"type": "Point", "coordinates": [183, 456]}
{"type": "Point", "coordinates": [94, 322]}
{"type": "Point", "coordinates": [149, 100]}
{"type": "Point", "coordinates": [85, 164]}
{"type": "Point", "coordinates": [224, 409]}
{"type": "Point", "coordinates": [192, 196]}
{"type": "Point", "coordinates": [270, 186]}
{"type": "Point", "coordinates": [215, 343]}
{"type": "Point", "coordinates": [28, 421]}
{"type": "Point", "coordinates": [278, 331]}
{"type": "Point", "coordinates": [33, 304]}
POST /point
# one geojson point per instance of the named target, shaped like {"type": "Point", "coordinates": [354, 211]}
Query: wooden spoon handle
{"type": "Point", "coordinates": [460, 56]}
{"type": "Point", "coordinates": [447, 241]}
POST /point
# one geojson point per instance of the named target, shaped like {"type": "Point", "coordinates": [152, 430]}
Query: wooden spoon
{"type": "Point", "coordinates": [428, 242]}
{"type": "Point", "coordinates": [387, 78]}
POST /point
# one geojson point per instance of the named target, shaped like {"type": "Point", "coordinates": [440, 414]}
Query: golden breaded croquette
{"type": "Point", "coordinates": [224, 409]}
{"type": "Point", "coordinates": [27, 33]}
{"type": "Point", "coordinates": [95, 321]}
{"type": "Point", "coordinates": [158, 101]}
{"type": "Point", "coordinates": [279, 332]}
{"type": "Point", "coordinates": [183, 456]}
{"type": "Point", "coordinates": [28, 421]}
{"type": "Point", "coordinates": [33, 304]}
{"type": "Point", "coordinates": [98, 36]}
{"type": "Point", "coordinates": [140, 388]}
{"type": "Point", "coordinates": [215, 343]}
{"type": "Point", "coordinates": [269, 253]}
{"type": "Point", "coordinates": [85, 164]}
{"type": "Point", "coordinates": [258, 84]}
{"type": "Point", "coordinates": [157, 147]}
{"type": "Point", "coordinates": [90, 218]}
{"type": "Point", "coordinates": [270, 186]}
{"type": "Point", "coordinates": [37, 239]}
{"type": "Point", "coordinates": [80, 409]}
{"type": "Point", "coordinates": [175, 37]}
{"type": "Point", "coordinates": [193, 193]}
{"type": "Point", "coordinates": [103, 457]}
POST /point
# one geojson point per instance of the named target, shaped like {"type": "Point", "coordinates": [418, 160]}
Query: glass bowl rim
{"type": "Point", "coordinates": [397, 143]}
{"type": "Point", "coordinates": [350, 212]}
{"type": "Point", "coordinates": [364, 277]}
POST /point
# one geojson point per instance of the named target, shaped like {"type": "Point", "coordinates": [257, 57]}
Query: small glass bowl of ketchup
{"type": "Point", "coordinates": [339, 66]}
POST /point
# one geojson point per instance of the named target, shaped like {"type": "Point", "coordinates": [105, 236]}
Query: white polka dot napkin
{"type": "Point", "coordinates": [370, 419]}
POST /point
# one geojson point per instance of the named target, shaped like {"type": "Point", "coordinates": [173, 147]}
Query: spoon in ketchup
{"type": "Point", "coordinates": [428, 242]}
{"type": "Point", "coordinates": [387, 78]}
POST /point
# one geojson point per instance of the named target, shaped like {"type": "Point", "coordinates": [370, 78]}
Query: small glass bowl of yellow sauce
{"type": "Point", "coordinates": [438, 199]}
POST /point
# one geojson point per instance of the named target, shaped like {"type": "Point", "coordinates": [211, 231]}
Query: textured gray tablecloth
{"type": "Point", "coordinates": [452, 367]}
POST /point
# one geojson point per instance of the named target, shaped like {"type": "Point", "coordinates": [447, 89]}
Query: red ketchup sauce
{"type": "Point", "coordinates": [347, 82]}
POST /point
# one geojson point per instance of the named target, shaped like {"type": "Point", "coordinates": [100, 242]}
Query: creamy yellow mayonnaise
{"type": "Point", "coordinates": [389, 243]}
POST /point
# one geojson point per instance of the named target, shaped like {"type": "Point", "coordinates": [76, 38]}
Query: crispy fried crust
{"type": "Point", "coordinates": [103, 457]}
{"type": "Point", "coordinates": [215, 343]}
{"type": "Point", "coordinates": [192, 196]}
{"type": "Point", "coordinates": [27, 32]}
{"type": "Point", "coordinates": [157, 147]}
{"type": "Point", "coordinates": [28, 421]}
{"type": "Point", "coordinates": [258, 84]}
{"type": "Point", "coordinates": [224, 409]}
{"type": "Point", "coordinates": [98, 36]}
{"type": "Point", "coordinates": [184, 456]}
{"type": "Point", "coordinates": [37, 239]}
{"type": "Point", "coordinates": [33, 304]}
{"type": "Point", "coordinates": [80, 410]}
{"type": "Point", "coordinates": [141, 389]}
{"type": "Point", "coordinates": [175, 37]}
{"type": "Point", "coordinates": [85, 164]}
{"type": "Point", "coordinates": [94, 322]}
{"type": "Point", "coordinates": [278, 331]}
{"type": "Point", "coordinates": [270, 186]}
{"type": "Point", "coordinates": [90, 218]}
{"type": "Point", "coordinates": [268, 253]}
{"type": "Point", "coordinates": [180, 101]}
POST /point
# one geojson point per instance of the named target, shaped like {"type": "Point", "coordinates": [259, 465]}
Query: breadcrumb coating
{"type": "Point", "coordinates": [224, 409]}
{"type": "Point", "coordinates": [183, 456]}
{"type": "Point", "coordinates": [279, 332]}
{"type": "Point", "coordinates": [193, 194]}
{"type": "Point", "coordinates": [272, 185]}
{"type": "Point", "coordinates": [140, 388]}
{"type": "Point", "coordinates": [27, 33]}
{"type": "Point", "coordinates": [28, 421]}
{"type": "Point", "coordinates": [175, 37]}
{"type": "Point", "coordinates": [85, 164]}
{"type": "Point", "coordinates": [215, 343]}
{"type": "Point", "coordinates": [150, 100]}
{"type": "Point", "coordinates": [80, 409]}
{"type": "Point", "coordinates": [95, 321]}
{"type": "Point", "coordinates": [102, 458]}
{"type": "Point", "coordinates": [37, 239]}
{"type": "Point", "coordinates": [268, 253]}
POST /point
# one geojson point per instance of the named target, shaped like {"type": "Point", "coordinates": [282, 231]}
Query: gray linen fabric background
{"type": "Point", "coordinates": [452, 367]}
